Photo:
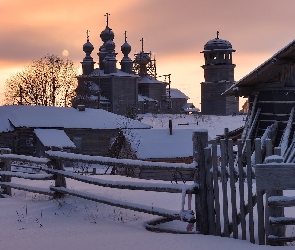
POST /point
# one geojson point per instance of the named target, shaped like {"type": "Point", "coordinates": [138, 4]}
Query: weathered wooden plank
{"type": "Point", "coordinates": [233, 188]}
{"type": "Point", "coordinates": [28, 176]}
{"type": "Point", "coordinates": [273, 211]}
{"type": "Point", "coordinates": [6, 166]}
{"type": "Point", "coordinates": [210, 191]}
{"type": "Point", "coordinates": [166, 175]}
{"type": "Point", "coordinates": [241, 189]}
{"type": "Point", "coordinates": [250, 191]}
{"type": "Point", "coordinates": [268, 152]}
{"type": "Point", "coordinates": [281, 201]}
{"type": "Point", "coordinates": [248, 123]}
{"type": "Point", "coordinates": [277, 221]}
{"type": "Point", "coordinates": [275, 176]}
{"type": "Point", "coordinates": [200, 142]}
{"type": "Point", "coordinates": [156, 187]}
{"type": "Point", "coordinates": [108, 161]}
{"type": "Point", "coordinates": [25, 158]}
{"type": "Point", "coordinates": [122, 204]}
{"type": "Point", "coordinates": [289, 154]}
{"type": "Point", "coordinates": [224, 189]}
{"type": "Point", "coordinates": [276, 240]}
{"type": "Point", "coordinates": [216, 188]}
{"type": "Point", "coordinates": [278, 230]}
{"type": "Point", "coordinates": [60, 180]}
{"type": "Point", "coordinates": [260, 207]}
{"type": "Point", "coordinates": [27, 188]}
{"type": "Point", "coordinates": [268, 147]}
{"type": "Point", "coordinates": [285, 138]}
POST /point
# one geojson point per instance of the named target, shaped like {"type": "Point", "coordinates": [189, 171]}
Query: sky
{"type": "Point", "coordinates": [175, 31]}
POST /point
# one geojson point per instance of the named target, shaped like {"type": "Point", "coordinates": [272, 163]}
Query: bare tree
{"type": "Point", "coordinates": [48, 81]}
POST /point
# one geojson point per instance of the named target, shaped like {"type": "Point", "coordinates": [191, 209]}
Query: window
{"type": "Point", "coordinates": [29, 142]}
{"type": "Point", "coordinates": [77, 141]}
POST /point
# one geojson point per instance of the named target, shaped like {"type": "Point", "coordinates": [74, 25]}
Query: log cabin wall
{"type": "Point", "coordinates": [275, 104]}
{"type": "Point", "coordinates": [93, 141]}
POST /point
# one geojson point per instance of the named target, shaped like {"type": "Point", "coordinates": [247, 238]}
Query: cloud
{"type": "Point", "coordinates": [175, 30]}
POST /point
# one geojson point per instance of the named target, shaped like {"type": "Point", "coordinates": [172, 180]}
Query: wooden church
{"type": "Point", "coordinates": [270, 89]}
{"type": "Point", "coordinates": [132, 89]}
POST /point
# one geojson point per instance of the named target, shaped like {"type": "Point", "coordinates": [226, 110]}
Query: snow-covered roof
{"type": "Point", "coordinates": [158, 143]}
{"type": "Point", "coordinates": [100, 72]}
{"type": "Point", "coordinates": [103, 99]}
{"type": "Point", "coordinates": [266, 70]}
{"type": "Point", "coordinates": [58, 117]}
{"type": "Point", "coordinates": [142, 98]}
{"type": "Point", "coordinates": [189, 107]}
{"type": "Point", "coordinates": [92, 85]}
{"type": "Point", "coordinates": [54, 137]}
{"type": "Point", "coordinates": [176, 93]}
{"type": "Point", "coordinates": [150, 80]}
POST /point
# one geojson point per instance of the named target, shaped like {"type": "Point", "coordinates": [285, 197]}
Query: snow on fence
{"type": "Point", "coordinates": [225, 194]}
{"type": "Point", "coordinates": [220, 209]}
{"type": "Point", "coordinates": [229, 204]}
{"type": "Point", "coordinates": [53, 169]}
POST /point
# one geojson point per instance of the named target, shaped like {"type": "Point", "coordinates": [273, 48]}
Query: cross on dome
{"type": "Point", "coordinates": [107, 15]}
{"type": "Point", "coordinates": [87, 32]}
{"type": "Point", "coordinates": [125, 33]}
{"type": "Point", "coordinates": [141, 44]}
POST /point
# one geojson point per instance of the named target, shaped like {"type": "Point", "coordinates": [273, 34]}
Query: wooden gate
{"type": "Point", "coordinates": [226, 194]}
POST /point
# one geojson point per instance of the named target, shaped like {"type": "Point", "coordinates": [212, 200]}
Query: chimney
{"type": "Point", "coordinates": [170, 126]}
{"type": "Point", "coordinates": [81, 107]}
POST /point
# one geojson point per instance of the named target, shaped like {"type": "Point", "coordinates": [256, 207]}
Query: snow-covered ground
{"type": "Point", "coordinates": [33, 221]}
{"type": "Point", "coordinates": [214, 124]}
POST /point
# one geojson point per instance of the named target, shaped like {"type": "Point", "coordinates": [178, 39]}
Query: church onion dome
{"type": "Point", "coordinates": [107, 34]}
{"type": "Point", "coordinates": [142, 58]}
{"type": "Point", "coordinates": [217, 44]}
{"type": "Point", "coordinates": [88, 47]}
{"type": "Point", "coordinates": [109, 45]}
{"type": "Point", "coordinates": [126, 48]}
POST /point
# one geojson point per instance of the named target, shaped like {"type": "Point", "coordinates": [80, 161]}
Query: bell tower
{"type": "Point", "coordinates": [219, 76]}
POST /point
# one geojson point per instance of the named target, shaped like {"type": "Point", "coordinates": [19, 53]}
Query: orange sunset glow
{"type": "Point", "coordinates": [175, 31]}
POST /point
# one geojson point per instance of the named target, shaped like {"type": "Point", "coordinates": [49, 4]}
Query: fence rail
{"type": "Point", "coordinates": [52, 168]}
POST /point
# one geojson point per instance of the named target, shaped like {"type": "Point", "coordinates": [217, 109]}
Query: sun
{"type": "Point", "coordinates": [65, 53]}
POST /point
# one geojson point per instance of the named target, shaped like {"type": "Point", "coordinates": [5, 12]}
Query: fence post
{"type": "Point", "coordinates": [5, 165]}
{"type": "Point", "coordinates": [200, 142]}
{"type": "Point", "coordinates": [60, 180]}
{"type": "Point", "coordinates": [274, 211]}
{"type": "Point", "coordinates": [260, 206]}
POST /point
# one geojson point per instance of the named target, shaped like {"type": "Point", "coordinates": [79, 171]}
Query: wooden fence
{"type": "Point", "coordinates": [221, 210]}
{"type": "Point", "coordinates": [52, 168]}
{"type": "Point", "coordinates": [226, 201]}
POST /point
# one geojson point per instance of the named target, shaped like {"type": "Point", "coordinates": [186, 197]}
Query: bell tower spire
{"type": "Point", "coordinates": [219, 76]}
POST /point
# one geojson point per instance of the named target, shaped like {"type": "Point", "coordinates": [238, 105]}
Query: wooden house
{"type": "Point", "coordinates": [158, 145]}
{"type": "Point", "coordinates": [30, 130]}
{"type": "Point", "coordinates": [270, 89]}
